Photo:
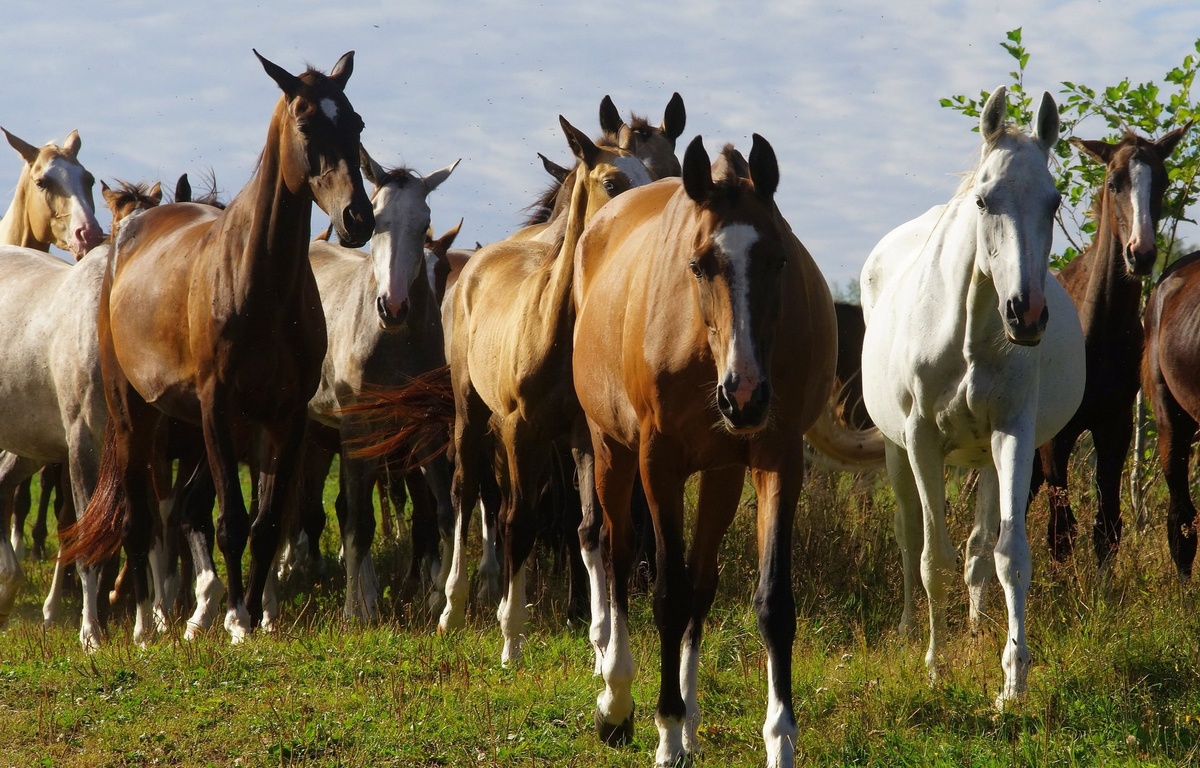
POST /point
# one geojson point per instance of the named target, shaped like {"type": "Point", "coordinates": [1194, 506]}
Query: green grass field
{"type": "Point", "coordinates": [1115, 678]}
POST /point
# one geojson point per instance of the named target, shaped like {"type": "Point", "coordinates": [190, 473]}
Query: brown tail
{"type": "Point", "coordinates": [412, 420]}
{"type": "Point", "coordinates": [96, 535]}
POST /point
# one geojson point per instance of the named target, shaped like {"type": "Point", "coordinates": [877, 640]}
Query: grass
{"type": "Point", "coordinates": [1115, 678]}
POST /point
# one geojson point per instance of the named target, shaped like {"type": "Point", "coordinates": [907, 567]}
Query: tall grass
{"type": "Point", "coordinates": [1114, 680]}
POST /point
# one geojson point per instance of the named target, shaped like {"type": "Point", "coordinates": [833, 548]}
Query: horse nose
{"type": "Point", "coordinates": [1026, 319]}
{"type": "Point", "coordinates": [88, 235]}
{"type": "Point", "coordinates": [358, 221]}
{"type": "Point", "coordinates": [391, 314]}
{"type": "Point", "coordinates": [1140, 261]}
{"type": "Point", "coordinates": [744, 408]}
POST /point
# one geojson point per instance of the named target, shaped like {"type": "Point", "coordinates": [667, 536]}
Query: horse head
{"type": "Point", "coordinates": [1135, 179]}
{"type": "Point", "coordinates": [319, 144]}
{"type": "Point", "coordinates": [736, 260]}
{"type": "Point", "coordinates": [128, 198]}
{"type": "Point", "coordinates": [401, 225]}
{"type": "Point", "coordinates": [655, 145]}
{"type": "Point", "coordinates": [1017, 200]}
{"type": "Point", "coordinates": [57, 194]}
{"type": "Point", "coordinates": [602, 172]}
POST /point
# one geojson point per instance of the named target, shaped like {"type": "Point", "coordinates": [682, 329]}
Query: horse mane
{"type": "Point", "coordinates": [540, 209]}
{"type": "Point", "coordinates": [211, 196]}
{"type": "Point", "coordinates": [400, 175]}
{"type": "Point", "coordinates": [131, 189]}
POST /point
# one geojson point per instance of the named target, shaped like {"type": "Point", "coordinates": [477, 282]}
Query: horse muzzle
{"type": "Point", "coordinates": [1140, 262]}
{"type": "Point", "coordinates": [1022, 324]}
{"type": "Point", "coordinates": [391, 318]}
{"type": "Point", "coordinates": [356, 225]}
{"type": "Point", "coordinates": [744, 414]}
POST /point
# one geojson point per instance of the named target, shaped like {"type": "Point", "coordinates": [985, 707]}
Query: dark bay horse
{"type": "Point", "coordinates": [704, 342]}
{"type": "Point", "coordinates": [1105, 284]}
{"type": "Point", "coordinates": [213, 317]}
{"type": "Point", "coordinates": [1171, 379]}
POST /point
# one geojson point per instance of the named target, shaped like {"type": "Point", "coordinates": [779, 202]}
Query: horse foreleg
{"type": "Point", "coordinates": [616, 468]}
{"type": "Point", "coordinates": [1112, 447]}
{"type": "Point", "coordinates": [489, 560]}
{"type": "Point", "coordinates": [1012, 451]}
{"type": "Point", "coordinates": [720, 491]}
{"type": "Point", "coordinates": [358, 532]}
{"type": "Point", "coordinates": [14, 471]}
{"type": "Point", "coordinates": [233, 526]}
{"type": "Point", "coordinates": [437, 475]}
{"type": "Point", "coordinates": [50, 480]}
{"type": "Point", "coordinates": [470, 427]}
{"type": "Point", "coordinates": [277, 486]}
{"type": "Point", "coordinates": [1055, 458]}
{"type": "Point", "coordinates": [526, 453]}
{"type": "Point", "coordinates": [589, 541]}
{"type": "Point", "coordinates": [981, 545]}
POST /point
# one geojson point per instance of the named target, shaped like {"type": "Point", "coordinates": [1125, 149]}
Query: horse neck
{"type": "Point", "coordinates": [15, 227]}
{"type": "Point", "coordinates": [274, 252]}
{"type": "Point", "coordinates": [557, 298]}
{"type": "Point", "coordinates": [1112, 293]}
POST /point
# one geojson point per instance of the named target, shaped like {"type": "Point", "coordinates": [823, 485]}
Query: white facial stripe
{"type": "Point", "coordinates": [1139, 180]}
{"type": "Point", "coordinates": [735, 242]}
{"type": "Point", "coordinates": [330, 109]}
{"type": "Point", "coordinates": [634, 169]}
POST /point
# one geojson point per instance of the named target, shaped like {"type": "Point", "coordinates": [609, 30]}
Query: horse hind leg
{"type": "Point", "coordinates": [590, 528]}
{"type": "Point", "coordinates": [1176, 433]}
{"type": "Point", "coordinates": [908, 529]}
{"type": "Point", "coordinates": [22, 503]}
{"type": "Point", "coordinates": [358, 532]}
{"type": "Point", "coordinates": [981, 561]}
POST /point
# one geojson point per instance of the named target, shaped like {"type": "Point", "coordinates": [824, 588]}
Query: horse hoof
{"type": "Point", "coordinates": [614, 735]}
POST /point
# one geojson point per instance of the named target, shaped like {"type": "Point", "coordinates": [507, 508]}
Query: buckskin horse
{"type": "Point", "coordinates": [704, 342]}
{"type": "Point", "coordinates": [213, 317]}
{"type": "Point", "coordinates": [1105, 284]}
{"type": "Point", "coordinates": [974, 355]}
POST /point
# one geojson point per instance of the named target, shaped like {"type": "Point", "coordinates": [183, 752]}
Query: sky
{"type": "Point", "coordinates": [846, 92]}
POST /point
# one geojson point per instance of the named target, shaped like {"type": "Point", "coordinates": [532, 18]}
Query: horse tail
{"type": "Point", "coordinates": [413, 420]}
{"type": "Point", "coordinates": [845, 449]}
{"type": "Point", "coordinates": [97, 533]}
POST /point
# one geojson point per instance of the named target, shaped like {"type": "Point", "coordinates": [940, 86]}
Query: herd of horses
{"type": "Point", "coordinates": [653, 320]}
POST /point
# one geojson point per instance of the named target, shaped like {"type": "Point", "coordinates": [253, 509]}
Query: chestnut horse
{"type": "Point", "coordinates": [213, 317]}
{"type": "Point", "coordinates": [973, 355]}
{"type": "Point", "coordinates": [508, 321]}
{"type": "Point", "coordinates": [705, 342]}
{"type": "Point", "coordinates": [53, 202]}
{"type": "Point", "coordinates": [1170, 368]}
{"type": "Point", "coordinates": [1105, 284]}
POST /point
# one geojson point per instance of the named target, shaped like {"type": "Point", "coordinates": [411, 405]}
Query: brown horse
{"type": "Point", "coordinates": [1169, 378]}
{"type": "Point", "coordinates": [1105, 284]}
{"type": "Point", "coordinates": [53, 202]}
{"type": "Point", "coordinates": [508, 340]}
{"type": "Point", "coordinates": [705, 342]}
{"type": "Point", "coordinates": [213, 317]}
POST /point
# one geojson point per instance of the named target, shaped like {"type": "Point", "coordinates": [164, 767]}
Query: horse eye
{"type": "Point", "coordinates": [610, 187]}
{"type": "Point", "coordinates": [40, 183]}
{"type": "Point", "coordinates": [1113, 187]}
{"type": "Point", "coordinates": [980, 204]}
{"type": "Point", "coordinates": [697, 272]}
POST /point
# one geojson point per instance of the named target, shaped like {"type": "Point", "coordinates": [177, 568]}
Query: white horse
{"type": "Point", "coordinates": [973, 355]}
{"type": "Point", "coordinates": [384, 327]}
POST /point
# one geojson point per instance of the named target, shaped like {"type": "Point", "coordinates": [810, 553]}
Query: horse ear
{"type": "Point", "coordinates": [183, 189]}
{"type": "Point", "coordinates": [287, 82]}
{"type": "Point", "coordinates": [991, 118]}
{"type": "Point", "coordinates": [1166, 145]}
{"type": "Point", "coordinates": [372, 171]}
{"type": "Point", "coordinates": [610, 118]}
{"type": "Point", "coordinates": [697, 171]}
{"type": "Point", "coordinates": [764, 167]}
{"type": "Point", "coordinates": [674, 119]}
{"type": "Point", "coordinates": [435, 179]}
{"type": "Point", "coordinates": [554, 169]}
{"type": "Point", "coordinates": [1100, 151]}
{"type": "Point", "coordinates": [24, 148]}
{"type": "Point", "coordinates": [581, 146]}
{"type": "Point", "coordinates": [156, 193]}
{"type": "Point", "coordinates": [1046, 125]}
{"type": "Point", "coordinates": [343, 69]}
{"type": "Point", "coordinates": [72, 144]}
{"type": "Point", "coordinates": [108, 193]}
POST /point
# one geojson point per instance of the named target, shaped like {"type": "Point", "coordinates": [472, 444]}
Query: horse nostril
{"type": "Point", "coordinates": [723, 401]}
{"type": "Point", "coordinates": [1044, 318]}
{"type": "Point", "coordinates": [1010, 313]}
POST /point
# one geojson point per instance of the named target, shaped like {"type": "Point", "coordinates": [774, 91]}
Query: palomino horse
{"type": "Point", "coordinates": [1169, 378]}
{"type": "Point", "coordinates": [696, 305]}
{"type": "Point", "coordinates": [508, 321]}
{"type": "Point", "coordinates": [384, 328]}
{"type": "Point", "coordinates": [973, 355]}
{"type": "Point", "coordinates": [1105, 284]}
{"type": "Point", "coordinates": [53, 202]}
{"type": "Point", "coordinates": [213, 317]}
